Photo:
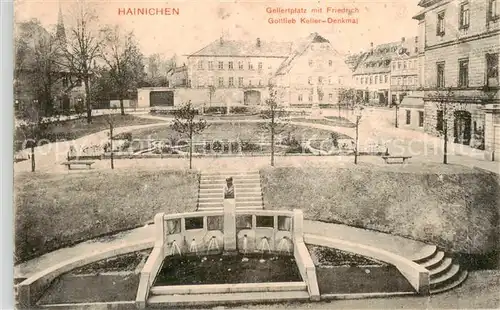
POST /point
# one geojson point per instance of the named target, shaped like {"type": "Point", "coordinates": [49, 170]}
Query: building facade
{"type": "Point", "coordinates": [313, 74]}
{"type": "Point", "coordinates": [461, 46]}
{"type": "Point", "coordinates": [178, 77]}
{"type": "Point", "coordinates": [372, 74]}
{"type": "Point", "coordinates": [404, 70]}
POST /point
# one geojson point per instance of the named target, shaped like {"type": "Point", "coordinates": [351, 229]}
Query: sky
{"type": "Point", "coordinates": [203, 21]}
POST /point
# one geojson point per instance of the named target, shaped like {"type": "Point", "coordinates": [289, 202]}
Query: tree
{"type": "Point", "coordinates": [443, 98]}
{"type": "Point", "coordinates": [82, 49]}
{"type": "Point", "coordinates": [36, 70]}
{"type": "Point", "coordinates": [275, 117]}
{"type": "Point", "coordinates": [349, 97]}
{"type": "Point", "coordinates": [185, 124]}
{"type": "Point", "coordinates": [124, 60]}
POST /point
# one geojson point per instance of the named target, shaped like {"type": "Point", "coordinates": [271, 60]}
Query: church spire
{"type": "Point", "coordinates": [60, 31]}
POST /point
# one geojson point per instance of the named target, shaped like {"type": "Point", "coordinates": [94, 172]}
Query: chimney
{"type": "Point", "coordinates": [258, 42]}
{"type": "Point", "coordinates": [221, 41]}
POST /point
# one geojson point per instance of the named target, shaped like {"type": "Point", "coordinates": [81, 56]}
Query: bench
{"type": "Point", "coordinates": [396, 159]}
{"type": "Point", "coordinates": [81, 163]}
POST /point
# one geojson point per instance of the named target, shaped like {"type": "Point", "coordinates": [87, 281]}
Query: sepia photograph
{"type": "Point", "coordinates": [256, 154]}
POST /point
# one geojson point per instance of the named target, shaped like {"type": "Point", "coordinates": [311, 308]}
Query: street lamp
{"type": "Point", "coordinates": [358, 112]}
{"type": "Point", "coordinates": [397, 110]}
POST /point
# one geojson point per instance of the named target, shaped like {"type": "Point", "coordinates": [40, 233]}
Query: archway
{"type": "Point", "coordinates": [462, 127]}
{"type": "Point", "coordinates": [251, 97]}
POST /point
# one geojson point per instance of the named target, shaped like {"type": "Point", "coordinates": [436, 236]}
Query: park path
{"type": "Point", "coordinates": [374, 128]}
{"type": "Point", "coordinates": [401, 246]}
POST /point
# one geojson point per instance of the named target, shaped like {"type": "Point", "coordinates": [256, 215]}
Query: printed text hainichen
{"type": "Point", "coordinates": [148, 11]}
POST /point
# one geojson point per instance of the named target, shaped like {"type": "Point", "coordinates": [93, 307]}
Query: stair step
{"type": "Point", "coordinates": [248, 198]}
{"type": "Point", "coordinates": [211, 190]}
{"type": "Point", "coordinates": [439, 269]}
{"type": "Point", "coordinates": [451, 285]}
{"type": "Point", "coordinates": [448, 275]}
{"type": "Point", "coordinates": [209, 209]}
{"type": "Point", "coordinates": [211, 199]}
{"type": "Point", "coordinates": [435, 260]}
{"type": "Point", "coordinates": [230, 174]}
{"type": "Point", "coordinates": [248, 203]}
{"type": "Point", "coordinates": [227, 289]}
{"type": "Point", "coordinates": [230, 298]}
{"type": "Point", "coordinates": [210, 204]}
{"type": "Point", "coordinates": [235, 181]}
{"type": "Point", "coordinates": [426, 254]}
{"type": "Point", "coordinates": [251, 208]}
{"type": "Point", "coordinates": [210, 195]}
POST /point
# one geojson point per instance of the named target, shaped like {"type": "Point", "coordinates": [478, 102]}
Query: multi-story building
{"type": "Point", "coordinates": [461, 45]}
{"type": "Point", "coordinates": [238, 71]}
{"type": "Point", "coordinates": [313, 74]}
{"type": "Point", "coordinates": [178, 76]}
{"type": "Point", "coordinates": [404, 70]}
{"type": "Point", "coordinates": [372, 72]}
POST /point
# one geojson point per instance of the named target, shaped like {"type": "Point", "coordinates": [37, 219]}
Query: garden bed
{"type": "Point", "coordinates": [123, 263]}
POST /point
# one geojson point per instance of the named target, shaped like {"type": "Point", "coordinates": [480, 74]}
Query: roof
{"type": "Point", "coordinates": [378, 60]}
{"type": "Point", "coordinates": [245, 48]}
{"type": "Point", "coordinates": [177, 69]}
{"type": "Point", "coordinates": [301, 46]}
{"type": "Point", "coordinates": [412, 102]}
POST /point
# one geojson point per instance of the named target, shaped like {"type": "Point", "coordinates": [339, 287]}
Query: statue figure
{"type": "Point", "coordinates": [229, 189]}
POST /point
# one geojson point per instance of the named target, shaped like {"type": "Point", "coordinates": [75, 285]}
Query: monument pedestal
{"type": "Point", "coordinates": [230, 226]}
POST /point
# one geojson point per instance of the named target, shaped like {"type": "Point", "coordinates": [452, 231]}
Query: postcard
{"type": "Point", "coordinates": [256, 155]}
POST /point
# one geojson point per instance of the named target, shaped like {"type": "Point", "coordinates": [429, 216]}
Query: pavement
{"type": "Point", "coordinates": [398, 245]}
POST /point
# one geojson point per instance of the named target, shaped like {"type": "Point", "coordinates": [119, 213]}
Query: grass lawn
{"type": "Point", "coordinates": [57, 210]}
{"type": "Point", "coordinates": [329, 120]}
{"type": "Point", "coordinates": [74, 129]}
{"type": "Point", "coordinates": [454, 207]}
{"type": "Point", "coordinates": [232, 132]}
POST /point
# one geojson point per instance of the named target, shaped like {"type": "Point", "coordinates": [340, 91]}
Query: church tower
{"type": "Point", "coordinates": [60, 30]}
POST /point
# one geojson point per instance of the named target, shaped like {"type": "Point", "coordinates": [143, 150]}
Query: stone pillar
{"type": "Point", "coordinates": [229, 225]}
{"type": "Point", "coordinates": [298, 225]}
{"type": "Point", "coordinates": [159, 223]}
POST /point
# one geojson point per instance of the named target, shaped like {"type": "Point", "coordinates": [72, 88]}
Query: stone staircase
{"type": "Point", "coordinates": [445, 274]}
{"type": "Point", "coordinates": [247, 190]}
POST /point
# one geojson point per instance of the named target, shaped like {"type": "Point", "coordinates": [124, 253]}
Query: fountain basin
{"type": "Point", "coordinates": [227, 269]}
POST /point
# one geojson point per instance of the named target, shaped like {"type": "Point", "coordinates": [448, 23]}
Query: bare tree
{"type": "Point", "coordinates": [446, 113]}
{"type": "Point", "coordinates": [275, 117]}
{"type": "Point", "coordinates": [124, 60]}
{"type": "Point", "coordinates": [185, 124]}
{"type": "Point", "coordinates": [82, 48]}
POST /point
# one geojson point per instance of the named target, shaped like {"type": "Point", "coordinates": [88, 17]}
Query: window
{"type": "Point", "coordinates": [400, 81]}
{"type": "Point", "coordinates": [492, 69]}
{"type": "Point", "coordinates": [439, 121]}
{"type": "Point", "coordinates": [416, 49]}
{"type": "Point", "coordinates": [309, 80]}
{"type": "Point", "coordinates": [394, 66]}
{"type": "Point", "coordinates": [464, 16]}
{"type": "Point", "coordinates": [376, 79]}
{"type": "Point", "coordinates": [463, 73]}
{"type": "Point", "coordinates": [230, 65]}
{"type": "Point", "coordinates": [265, 221]}
{"type": "Point", "coordinates": [249, 82]}
{"type": "Point", "coordinates": [330, 63]}
{"type": "Point", "coordinates": [408, 117]}
{"type": "Point", "coordinates": [310, 63]}
{"type": "Point", "coordinates": [215, 222]}
{"type": "Point", "coordinates": [231, 82]}
{"type": "Point", "coordinates": [494, 12]}
{"type": "Point", "coordinates": [440, 74]}
{"type": "Point", "coordinates": [260, 82]}
{"type": "Point", "coordinates": [320, 97]}
{"type": "Point", "coordinates": [194, 223]}
{"type": "Point", "coordinates": [440, 24]}
{"type": "Point", "coordinates": [310, 98]}
{"type": "Point", "coordinates": [210, 65]}
{"type": "Point", "coordinates": [240, 81]}
{"type": "Point", "coordinates": [221, 82]}
{"type": "Point", "coordinates": [404, 81]}
{"type": "Point", "coordinates": [250, 66]}
{"type": "Point", "coordinates": [259, 66]}
{"type": "Point", "coordinates": [211, 81]}
{"type": "Point", "coordinates": [405, 65]}
{"type": "Point", "coordinates": [240, 65]}
{"type": "Point", "coordinates": [362, 79]}
{"type": "Point", "coordinates": [330, 97]}
{"type": "Point", "coordinates": [420, 119]}
{"type": "Point", "coordinates": [284, 223]}
{"type": "Point", "coordinates": [399, 65]}
{"type": "Point", "coordinates": [173, 226]}
{"type": "Point", "coordinates": [300, 98]}
{"type": "Point", "coordinates": [371, 79]}
{"type": "Point", "coordinates": [200, 65]}
{"type": "Point", "coordinates": [221, 65]}
{"type": "Point", "coordinates": [320, 80]}
{"type": "Point", "coordinates": [386, 78]}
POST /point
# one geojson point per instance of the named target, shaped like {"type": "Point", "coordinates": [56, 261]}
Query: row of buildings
{"type": "Point", "coordinates": [447, 75]}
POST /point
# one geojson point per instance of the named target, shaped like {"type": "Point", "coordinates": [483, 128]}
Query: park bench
{"type": "Point", "coordinates": [396, 159]}
{"type": "Point", "coordinates": [77, 163]}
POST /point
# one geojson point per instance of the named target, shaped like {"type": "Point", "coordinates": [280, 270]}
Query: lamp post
{"type": "Point", "coordinates": [397, 110]}
{"type": "Point", "coordinates": [358, 112]}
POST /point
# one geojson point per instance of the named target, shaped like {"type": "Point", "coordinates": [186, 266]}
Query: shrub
{"type": "Point", "coordinates": [216, 110]}
{"type": "Point", "coordinates": [123, 136]}
{"type": "Point", "coordinates": [239, 110]}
